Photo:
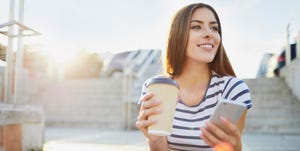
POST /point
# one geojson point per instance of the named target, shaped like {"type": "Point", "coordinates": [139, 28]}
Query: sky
{"type": "Point", "coordinates": [250, 28]}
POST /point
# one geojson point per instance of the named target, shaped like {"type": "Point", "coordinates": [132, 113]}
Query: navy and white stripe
{"type": "Point", "coordinates": [188, 119]}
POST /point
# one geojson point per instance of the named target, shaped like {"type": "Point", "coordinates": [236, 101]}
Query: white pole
{"type": "Point", "coordinates": [9, 57]}
{"type": "Point", "coordinates": [19, 56]}
{"type": "Point", "coordinates": [288, 46]}
{"type": "Point", "coordinates": [126, 93]}
{"type": "Point", "coordinates": [298, 45]}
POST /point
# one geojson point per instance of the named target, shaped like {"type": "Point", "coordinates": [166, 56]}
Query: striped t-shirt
{"type": "Point", "coordinates": [188, 119]}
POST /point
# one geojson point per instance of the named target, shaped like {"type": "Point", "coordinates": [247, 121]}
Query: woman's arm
{"type": "Point", "coordinates": [160, 144]}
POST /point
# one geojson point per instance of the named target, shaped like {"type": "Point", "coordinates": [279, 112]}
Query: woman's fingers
{"type": "Point", "coordinates": [148, 108]}
{"type": "Point", "coordinates": [213, 135]}
{"type": "Point", "coordinates": [229, 133]}
{"type": "Point", "coordinates": [147, 102]}
{"type": "Point", "coordinates": [231, 128]}
{"type": "Point", "coordinates": [144, 114]}
{"type": "Point", "coordinates": [219, 133]}
{"type": "Point", "coordinates": [206, 136]}
{"type": "Point", "coordinates": [147, 97]}
{"type": "Point", "coordinates": [144, 123]}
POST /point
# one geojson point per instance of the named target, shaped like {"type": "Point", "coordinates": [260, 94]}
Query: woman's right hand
{"type": "Point", "coordinates": [147, 109]}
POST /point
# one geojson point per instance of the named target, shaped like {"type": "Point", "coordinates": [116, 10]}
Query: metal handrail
{"type": "Point", "coordinates": [147, 62]}
{"type": "Point", "coordinates": [21, 26]}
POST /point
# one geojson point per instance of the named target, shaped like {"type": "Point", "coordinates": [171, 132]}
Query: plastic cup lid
{"type": "Point", "coordinates": [161, 79]}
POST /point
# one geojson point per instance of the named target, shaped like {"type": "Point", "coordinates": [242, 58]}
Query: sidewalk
{"type": "Point", "coordinates": [74, 139]}
{"type": "Point", "coordinates": [271, 142]}
{"type": "Point", "coordinates": [63, 139]}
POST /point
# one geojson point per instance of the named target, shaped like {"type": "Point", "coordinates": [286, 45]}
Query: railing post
{"type": "Point", "coordinates": [19, 57]}
{"type": "Point", "coordinates": [127, 91]}
{"type": "Point", "coordinates": [298, 45]}
{"type": "Point", "coordinates": [9, 57]}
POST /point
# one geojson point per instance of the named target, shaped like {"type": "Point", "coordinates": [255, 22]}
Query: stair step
{"type": "Point", "coordinates": [272, 130]}
{"type": "Point", "coordinates": [274, 114]}
{"type": "Point", "coordinates": [265, 82]}
{"type": "Point", "coordinates": [84, 118]}
{"type": "Point", "coordinates": [74, 124]}
{"type": "Point", "coordinates": [84, 103]}
{"type": "Point", "coordinates": [272, 107]}
{"type": "Point", "coordinates": [275, 109]}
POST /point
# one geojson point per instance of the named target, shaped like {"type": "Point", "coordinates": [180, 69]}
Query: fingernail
{"type": "Point", "coordinates": [223, 119]}
{"type": "Point", "coordinates": [149, 93]}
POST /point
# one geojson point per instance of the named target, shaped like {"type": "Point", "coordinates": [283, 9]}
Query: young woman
{"type": "Point", "coordinates": [196, 59]}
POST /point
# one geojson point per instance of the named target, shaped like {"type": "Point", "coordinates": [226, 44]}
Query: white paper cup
{"type": "Point", "coordinates": [166, 90]}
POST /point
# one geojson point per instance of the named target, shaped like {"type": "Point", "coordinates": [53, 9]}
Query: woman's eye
{"type": "Point", "coordinates": [196, 27]}
{"type": "Point", "coordinates": [215, 29]}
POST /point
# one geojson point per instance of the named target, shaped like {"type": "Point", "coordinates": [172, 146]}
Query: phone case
{"type": "Point", "coordinates": [228, 109]}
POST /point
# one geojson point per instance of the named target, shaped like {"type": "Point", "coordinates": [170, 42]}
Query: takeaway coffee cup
{"type": "Point", "coordinates": [166, 90]}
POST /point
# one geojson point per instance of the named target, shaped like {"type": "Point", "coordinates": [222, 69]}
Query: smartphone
{"type": "Point", "coordinates": [228, 109]}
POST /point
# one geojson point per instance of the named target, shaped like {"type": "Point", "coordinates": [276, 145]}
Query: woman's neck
{"type": "Point", "coordinates": [193, 74]}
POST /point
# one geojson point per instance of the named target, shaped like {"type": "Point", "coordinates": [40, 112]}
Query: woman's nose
{"type": "Point", "coordinates": [206, 33]}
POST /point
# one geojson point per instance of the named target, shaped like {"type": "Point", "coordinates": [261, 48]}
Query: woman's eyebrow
{"type": "Point", "coordinates": [201, 22]}
{"type": "Point", "coordinates": [197, 21]}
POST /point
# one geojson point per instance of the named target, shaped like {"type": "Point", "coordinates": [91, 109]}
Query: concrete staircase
{"type": "Point", "coordinates": [275, 109]}
{"type": "Point", "coordinates": [98, 103]}
{"type": "Point", "coordinates": [83, 103]}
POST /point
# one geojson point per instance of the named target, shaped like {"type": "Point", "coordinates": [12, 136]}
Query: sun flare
{"type": "Point", "coordinates": [60, 55]}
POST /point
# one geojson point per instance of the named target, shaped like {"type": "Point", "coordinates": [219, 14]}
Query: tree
{"type": "Point", "coordinates": [2, 52]}
{"type": "Point", "coordinates": [84, 65]}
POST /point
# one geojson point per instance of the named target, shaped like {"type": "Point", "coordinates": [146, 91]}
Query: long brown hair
{"type": "Point", "coordinates": [178, 39]}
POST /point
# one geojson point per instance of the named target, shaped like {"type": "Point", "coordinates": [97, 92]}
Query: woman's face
{"type": "Point", "coordinates": [204, 38]}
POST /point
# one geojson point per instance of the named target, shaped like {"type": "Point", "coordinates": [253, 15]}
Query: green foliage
{"type": "Point", "coordinates": [2, 52]}
{"type": "Point", "coordinates": [36, 149]}
{"type": "Point", "coordinates": [84, 65]}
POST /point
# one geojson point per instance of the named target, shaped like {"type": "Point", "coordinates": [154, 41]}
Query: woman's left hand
{"type": "Point", "coordinates": [230, 133]}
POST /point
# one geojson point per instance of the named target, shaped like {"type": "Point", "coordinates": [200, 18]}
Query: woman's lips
{"type": "Point", "coordinates": [205, 46]}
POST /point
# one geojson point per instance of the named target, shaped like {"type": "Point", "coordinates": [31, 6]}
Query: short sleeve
{"type": "Point", "coordinates": [236, 89]}
{"type": "Point", "coordinates": [143, 92]}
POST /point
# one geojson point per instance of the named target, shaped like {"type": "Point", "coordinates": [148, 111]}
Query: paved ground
{"type": "Point", "coordinates": [72, 139]}
{"type": "Point", "coordinates": [267, 142]}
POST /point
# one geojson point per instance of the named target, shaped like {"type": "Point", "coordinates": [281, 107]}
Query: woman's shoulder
{"type": "Point", "coordinates": [231, 80]}
{"type": "Point", "coordinates": [230, 83]}
{"type": "Point", "coordinates": [227, 79]}
{"type": "Point", "coordinates": [236, 89]}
